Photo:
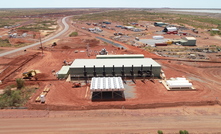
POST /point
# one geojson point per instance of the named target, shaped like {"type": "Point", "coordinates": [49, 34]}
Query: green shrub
{"type": "Point", "coordinates": [15, 98]}
{"type": "Point", "coordinates": [73, 34]}
{"type": "Point", "coordinates": [186, 132]}
{"type": "Point", "coordinates": [160, 132]}
{"type": "Point", "coordinates": [20, 83]}
{"type": "Point", "coordinates": [181, 132]}
{"type": "Point", "coordinates": [4, 43]}
{"type": "Point", "coordinates": [10, 98]}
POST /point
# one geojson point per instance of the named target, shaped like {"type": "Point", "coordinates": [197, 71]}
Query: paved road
{"type": "Point", "coordinates": [66, 27]}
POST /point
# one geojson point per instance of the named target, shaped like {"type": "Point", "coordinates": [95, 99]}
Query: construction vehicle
{"type": "Point", "coordinates": [76, 85]}
{"type": "Point", "coordinates": [29, 75]}
{"type": "Point", "coordinates": [103, 52]}
{"type": "Point", "coordinates": [54, 44]}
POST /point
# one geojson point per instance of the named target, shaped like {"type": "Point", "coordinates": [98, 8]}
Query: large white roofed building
{"type": "Point", "coordinates": [106, 67]}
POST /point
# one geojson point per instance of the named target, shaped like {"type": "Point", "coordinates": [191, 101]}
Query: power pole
{"type": "Point", "coordinates": [41, 43]}
{"type": "Point", "coordinates": [88, 54]}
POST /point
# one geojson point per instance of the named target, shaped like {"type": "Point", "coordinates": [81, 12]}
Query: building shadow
{"type": "Point", "coordinates": [108, 96]}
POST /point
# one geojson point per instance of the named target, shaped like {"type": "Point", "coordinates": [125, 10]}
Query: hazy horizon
{"type": "Point", "coordinates": [212, 4]}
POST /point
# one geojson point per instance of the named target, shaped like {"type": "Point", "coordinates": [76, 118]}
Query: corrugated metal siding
{"type": "Point", "coordinates": [119, 56]}
{"type": "Point", "coordinates": [104, 84]}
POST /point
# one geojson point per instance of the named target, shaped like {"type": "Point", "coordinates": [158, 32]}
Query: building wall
{"type": "Point", "coordinates": [119, 56]}
{"type": "Point", "coordinates": [190, 43]}
{"type": "Point", "coordinates": [79, 72]}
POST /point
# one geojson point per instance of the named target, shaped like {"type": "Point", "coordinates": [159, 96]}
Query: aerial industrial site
{"type": "Point", "coordinates": [74, 60]}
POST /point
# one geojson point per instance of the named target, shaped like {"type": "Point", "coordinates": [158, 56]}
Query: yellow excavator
{"type": "Point", "coordinates": [29, 75]}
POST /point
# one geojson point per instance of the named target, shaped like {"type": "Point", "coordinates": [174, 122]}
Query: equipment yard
{"type": "Point", "coordinates": [140, 92]}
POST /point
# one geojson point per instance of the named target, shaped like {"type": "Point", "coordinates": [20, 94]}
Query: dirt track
{"type": "Point", "coordinates": [169, 120]}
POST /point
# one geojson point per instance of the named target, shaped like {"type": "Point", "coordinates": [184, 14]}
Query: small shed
{"type": "Point", "coordinates": [63, 73]}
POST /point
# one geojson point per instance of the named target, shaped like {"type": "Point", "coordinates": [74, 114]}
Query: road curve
{"type": "Point", "coordinates": [66, 27]}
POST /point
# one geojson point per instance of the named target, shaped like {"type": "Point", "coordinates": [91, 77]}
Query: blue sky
{"type": "Point", "coordinates": [111, 3]}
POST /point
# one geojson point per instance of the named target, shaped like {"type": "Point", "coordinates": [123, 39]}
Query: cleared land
{"type": "Point", "coordinates": [204, 74]}
{"type": "Point", "coordinates": [169, 120]}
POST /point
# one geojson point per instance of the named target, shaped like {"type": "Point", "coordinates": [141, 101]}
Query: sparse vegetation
{"type": "Point", "coordinates": [4, 43]}
{"type": "Point", "coordinates": [39, 25]}
{"type": "Point", "coordinates": [73, 34]}
{"type": "Point", "coordinates": [127, 16]}
{"type": "Point", "coordinates": [213, 33]}
{"type": "Point", "coordinates": [183, 132]}
{"type": "Point", "coordinates": [20, 83]}
{"type": "Point", "coordinates": [15, 98]}
{"type": "Point", "coordinates": [160, 132]}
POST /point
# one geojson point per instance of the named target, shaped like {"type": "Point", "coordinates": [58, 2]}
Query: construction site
{"type": "Point", "coordinates": [110, 65]}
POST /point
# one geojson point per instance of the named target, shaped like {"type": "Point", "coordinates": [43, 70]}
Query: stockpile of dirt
{"type": "Point", "coordinates": [70, 42]}
{"type": "Point", "coordinates": [65, 47]}
{"type": "Point", "coordinates": [92, 42]}
{"type": "Point", "coordinates": [41, 76]}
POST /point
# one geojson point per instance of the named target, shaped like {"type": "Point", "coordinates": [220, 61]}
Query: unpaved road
{"type": "Point", "coordinates": [204, 119]}
{"type": "Point", "coordinates": [66, 27]}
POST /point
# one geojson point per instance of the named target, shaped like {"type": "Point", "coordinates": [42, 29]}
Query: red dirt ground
{"type": "Point", "coordinates": [148, 95]}
{"type": "Point", "coordinates": [196, 120]}
{"type": "Point", "coordinates": [116, 116]}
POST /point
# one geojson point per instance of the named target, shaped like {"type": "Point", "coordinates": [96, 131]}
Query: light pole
{"type": "Point", "coordinates": [41, 43]}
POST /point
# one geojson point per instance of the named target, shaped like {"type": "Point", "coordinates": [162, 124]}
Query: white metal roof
{"type": "Point", "coordinates": [189, 38]}
{"type": "Point", "coordinates": [129, 27]}
{"type": "Point", "coordinates": [121, 56]}
{"type": "Point", "coordinates": [104, 84]}
{"type": "Point", "coordinates": [179, 82]}
{"type": "Point", "coordinates": [159, 22]}
{"type": "Point", "coordinates": [64, 70]}
{"type": "Point", "coordinates": [170, 29]}
{"type": "Point", "coordinates": [136, 62]}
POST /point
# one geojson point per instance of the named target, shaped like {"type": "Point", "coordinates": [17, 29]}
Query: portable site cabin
{"type": "Point", "coordinates": [129, 27]}
{"type": "Point", "coordinates": [63, 73]}
{"type": "Point", "coordinates": [178, 83]}
{"type": "Point", "coordinates": [170, 30]}
{"type": "Point", "coordinates": [106, 22]}
{"type": "Point", "coordinates": [188, 41]}
{"type": "Point", "coordinates": [159, 24]}
{"type": "Point", "coordinates": [158, 37]}
{"type": "Point", "coordinates": [91, 29]}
